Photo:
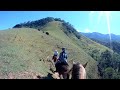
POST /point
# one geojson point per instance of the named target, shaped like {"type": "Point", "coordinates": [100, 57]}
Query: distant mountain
{"type": "Point", "coordinates": [104, 40]}
{"type": "Point", "coordinates": [102, 37]}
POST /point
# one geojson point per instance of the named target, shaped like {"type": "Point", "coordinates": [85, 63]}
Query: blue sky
{"type": "Point", "coordinates": [83, 21]}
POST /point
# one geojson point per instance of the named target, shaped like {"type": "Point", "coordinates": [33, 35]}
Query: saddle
{"type": "Point", "coordinates": [62, 63]}
{"type": "Point", "coordinates": [61, 67]}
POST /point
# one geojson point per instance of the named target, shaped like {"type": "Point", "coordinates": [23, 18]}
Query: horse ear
{"type": "Point", "coordinates": [85, 65]}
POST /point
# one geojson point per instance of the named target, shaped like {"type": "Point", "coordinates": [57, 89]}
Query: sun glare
{"type": "Point", "coordinates": [107, 15]}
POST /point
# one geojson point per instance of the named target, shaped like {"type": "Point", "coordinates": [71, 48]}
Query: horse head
{"type": "Point", "coordinates": [78, 70]}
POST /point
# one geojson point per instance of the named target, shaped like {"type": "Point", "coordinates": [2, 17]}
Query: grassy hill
{"type": "Point", "coordinates": [24, 51]}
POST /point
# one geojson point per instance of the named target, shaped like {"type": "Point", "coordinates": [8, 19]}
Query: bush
{"type": "Point", "coordinates": [47, 33]}
{"type": "Point", "coordinates": [109, 73]}
{"type": "Point", "coordinates": [17, 26]}
{"type": "Point", "coordinates": [70, 29]}
{"type": "Point", "coordinates": [109, 65]}
{"type": "Point", "coordinates": [38, 29]}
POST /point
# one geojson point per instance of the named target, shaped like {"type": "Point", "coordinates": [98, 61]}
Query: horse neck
{"type": "Point", "coordinates": [75, 72]}
{"type": "Point", "coordinates": [78, 72]}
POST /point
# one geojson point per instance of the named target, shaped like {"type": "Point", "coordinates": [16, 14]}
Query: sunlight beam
{"type": "Point", "coordinates": [99, 17]}
{"type": "Point", "coordinates": [108, 25]}
{"type": "Point", "coordinates": [107, 15]}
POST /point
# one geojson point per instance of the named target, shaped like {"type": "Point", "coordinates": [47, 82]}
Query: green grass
{"type": "Point", "coordinates": [21, 50]}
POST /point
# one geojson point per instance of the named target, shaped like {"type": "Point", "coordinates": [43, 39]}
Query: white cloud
{"type": "Point", "coordinates": [78, 30]}
{"type": "Point", "coordinates": [87, 30]}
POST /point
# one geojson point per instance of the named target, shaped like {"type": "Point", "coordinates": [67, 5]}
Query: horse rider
{"type": "Point", "coordinates": [55, 56]}
{"type": "Point", "coordinates": [63, 56]}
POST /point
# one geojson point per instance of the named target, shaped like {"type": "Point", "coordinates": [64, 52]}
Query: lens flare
{"type": "Point", "coordinates": [107, 14]}
{"type": "Point", "coordinates": [108, 25]}
{"type": "Point", "coordinates": [99, 17]}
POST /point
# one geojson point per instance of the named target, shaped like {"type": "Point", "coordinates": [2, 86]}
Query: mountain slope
{"type": "Point", "coordinates": [24, 51]}
{"type": "Point", "coordinates": [97, 37]}
{"type": "Point", "coordinates": [21, 50]}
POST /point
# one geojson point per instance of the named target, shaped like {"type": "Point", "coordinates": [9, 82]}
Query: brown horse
{"type": "Point", "coordinates": [63, 69]}
{"type": "Point", "coordinates": [55, 59]}
{"type": "Point", "coordinates": [78, 71]}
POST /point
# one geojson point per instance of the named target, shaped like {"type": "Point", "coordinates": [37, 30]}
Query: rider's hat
{"type": "Point", "coordinates": [63, 49]}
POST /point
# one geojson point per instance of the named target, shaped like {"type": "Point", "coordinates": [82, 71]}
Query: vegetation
{"type": "Point", "coordinates": [38, 24]}
{"type": "Point", "coordinates": [47, 33]}
{"type": "Point", "coordinates": [109, 65]}
{"type": "Point", "coordinates": [108, 62]}
{"type": "Point", "coordinates": [35, 24]}
{"type": "Point", "coordinates": [115, 45]}
{"type": "Point", "coordinates": [25, 51]}
{"type": "Point", "coordinates": [26, 48]}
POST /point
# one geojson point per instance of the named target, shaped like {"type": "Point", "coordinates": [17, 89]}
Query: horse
{"type": "Point", "coordinates": [55, 59]}
{"type": "Point", "coordinates": [49, 76]}
{"type": "Point", "coordinates": [78, 71]}
{"type": "Point", "coordinates": [63, 69]}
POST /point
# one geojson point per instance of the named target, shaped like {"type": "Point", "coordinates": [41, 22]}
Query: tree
{"type": "Point", "coordinates": [47, 33]}
{"type": "Point", "coordinates": [107, 57]}
{"type": "Point", "coordinates": [35, 24]}
{"type": "Point", "coordinates": [38, 24]}
{"type": "Point", "coordinates": [17, 26]}
{"type": "Point", "coordinates": [115, 45]}
{"type": "Point", "coordinates": [95, 55]}
{"type": "Point", "coordinates": [104, 62]}
{"type": "Point", "coordinates": [38, 29]}
{"type": "Point", "coordinates": [109, 73]}
{"type": "Point", "coordinates": [109, 65]}
{"type": "Point", "coordinates": [70, 29]}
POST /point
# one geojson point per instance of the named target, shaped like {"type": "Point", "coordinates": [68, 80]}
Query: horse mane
{"type": "Point", "coordinates": [78, 71]}
{"type": "Point", "coordinates": [75, 71]}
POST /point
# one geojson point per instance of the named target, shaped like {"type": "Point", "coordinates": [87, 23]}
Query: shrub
{"type": "Point", "coordinates": [47, 33]}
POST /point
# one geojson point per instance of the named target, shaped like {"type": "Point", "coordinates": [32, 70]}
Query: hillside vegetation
{"type": "Point", "coordinates": [25, 49]}
{"type": "Point", "coordinates": [109, 62]}
{"type": "Point", "coordinates": [90, 47]}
